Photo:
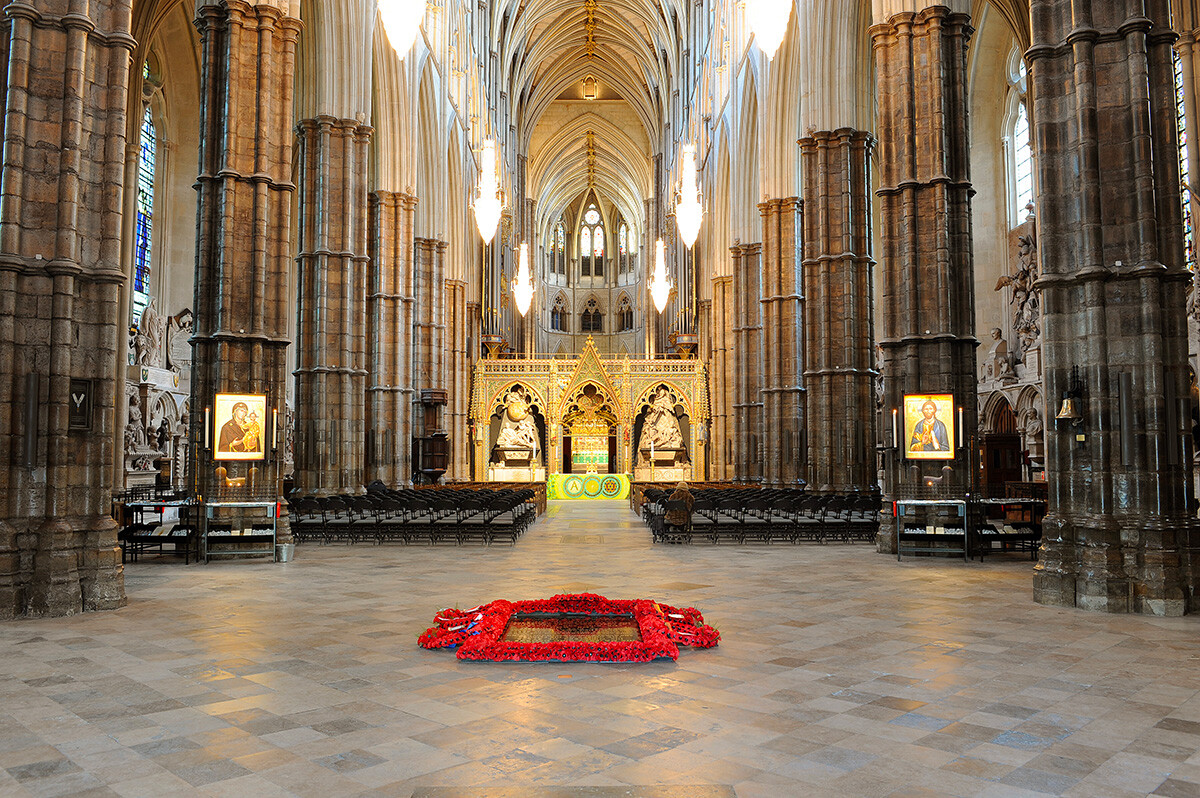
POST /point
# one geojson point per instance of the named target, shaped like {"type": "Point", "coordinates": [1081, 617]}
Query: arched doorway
{"type": "Point", "coordinates": [590, 433]}
{"type": "Point", "coordinates": [999, 447]}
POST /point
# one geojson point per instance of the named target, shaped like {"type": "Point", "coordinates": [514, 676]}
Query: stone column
{"type": "Point", "coordinates": [721, 381]}
{"type": "Point", "coordinates": [459, 368]}
{"type": "Point", "coordinates": [243, 246]}
{"type": "Point", "coordinates": [389, 340]}
{"type": "Point", "coordinates": [1119, 536]}
{"type": "Point", "coordinates": [782, 342]}
{"type": "Point", "coordinates": [67, 68]}
{"type": "Point", "coordinates": [429, 349]}
{"type": "Point", "coordinates": [839, 358]}
{"type": "Point", "coordinates": [748, 403]}
{"type": "Point", "coordinates": [332, 322]}
{"type": "Point", "coordinates": [928, 336]}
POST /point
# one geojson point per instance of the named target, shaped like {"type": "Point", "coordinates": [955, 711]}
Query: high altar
{"type": "Point", "coordinates": [589, 415]}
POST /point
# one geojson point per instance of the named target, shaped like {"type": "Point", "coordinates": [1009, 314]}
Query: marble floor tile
{"type": "Point", "coordinates": [840, 673]}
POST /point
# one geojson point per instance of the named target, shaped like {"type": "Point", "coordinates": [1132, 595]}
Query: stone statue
{"type": "Point", "coordinates": [518, 430]}
{"type": "Point", "coordinates": [660, 430]}
{"type": "Point", "coordinates": [149, 341]}
{"type": "Point", "coordinates": [164, 436]}
{"type": "Point", "coordinates": [135, 428]}
{"type": "Point", "coordinates": [997, 365]}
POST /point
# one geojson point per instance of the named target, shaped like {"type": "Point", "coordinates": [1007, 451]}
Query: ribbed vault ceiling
{"type": "Point", "coordinates": [547, 48]}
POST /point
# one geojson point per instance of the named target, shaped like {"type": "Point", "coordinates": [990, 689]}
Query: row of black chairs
{"type": "Point", "coordinates": [431, 516]}
{"type": "Point", "coordinates": [764, 516]}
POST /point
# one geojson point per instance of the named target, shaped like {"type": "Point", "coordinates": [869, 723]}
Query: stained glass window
{"type": "Point", "coordinates": [558, 315]}
{"type": "Point", "coordinates": [591, 320]}
{"type": "Point", "coordinates": [1019, 141]}
{"type": "Point", "coordinates": [624, 315]}
{"type": "Point", "coordinates": [144, 223]}
{"type": "Point", "coordinates": [1023, 160]}
{"type": "Point", "coordinates": [558, 250]}
{"type": "Point", "coordinates": [1185, 171]}
{"type": "Point", "coordinates": [591, 243]}
{"type": "Point", "coordinates": [623, 239]}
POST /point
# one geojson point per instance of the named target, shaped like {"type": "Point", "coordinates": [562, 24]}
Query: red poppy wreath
{"type": "Point", "coordinates": [579, 627]}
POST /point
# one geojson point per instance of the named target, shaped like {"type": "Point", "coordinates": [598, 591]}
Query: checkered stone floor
{"type": "Point", "coordinates": [840, 673]}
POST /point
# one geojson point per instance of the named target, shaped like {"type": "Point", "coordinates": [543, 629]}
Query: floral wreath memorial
{"type": "Point", "coordinates": [581, 627]}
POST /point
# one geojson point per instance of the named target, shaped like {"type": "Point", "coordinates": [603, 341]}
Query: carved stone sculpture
{"type": "Point", "coordinates": [661, 430]}
{"type": "Point", "coordinates": [1026, 305]}
{"type": "Point", "coordinates": [135, 427]}
{"type": "Point", "coordinates": [518, 430]}
{"type": "Point", "coordinates": [997, 366]}
{"type": "Point", "coordinates": [149, 341]}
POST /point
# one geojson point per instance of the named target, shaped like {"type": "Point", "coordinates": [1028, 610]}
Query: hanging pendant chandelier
{"type": "Point", "coordinates": [768, 20]}
{"type": "Point", "coordinates": [402, 22]}
{"type": "Point", "coordinates": [488, 204]}
{"type": "Point", "coordinates": [688, 211]}
{"type": "Point", "coordinates": [522, 284]}
{"type": "Point", "coordinates": [660, 288]}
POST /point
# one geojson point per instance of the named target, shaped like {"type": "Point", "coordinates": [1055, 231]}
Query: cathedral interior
{"type": "Point", "coordinates": [905, 251]}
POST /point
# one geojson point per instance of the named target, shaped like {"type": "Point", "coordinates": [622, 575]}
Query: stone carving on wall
{"type": "Point", "coordinates": [135, 426]}
{"type": "Point", "coordinates": [289, 440]}
{"type": "Point", "coordinates": [517, 427]}
{"type": "Point", "coordinates": [997, 365]}
{"type": "Point", "coordinates": [1026, 305]}
{"type": "Point", "coordinates": [1031, 427]}
{"type": "Point", "coordinates": [661, 430]}
{"type": "Point", "coordinates": [151, 334]}
{"type": "Point", "coordinates": [179, 344]}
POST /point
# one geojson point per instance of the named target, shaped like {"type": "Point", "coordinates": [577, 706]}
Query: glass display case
{"type": "Point", "coordinates": [933, 526]}
{"type": "Point", "coordinates": [238, 528]}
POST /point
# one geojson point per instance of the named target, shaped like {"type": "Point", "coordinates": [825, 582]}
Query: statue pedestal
{"type": "Point", "coordinates": [499, 473]}
{"type": "Point", "coordinates": [662, 465]}
{"type": "Point", "coordinates": [140, 467]}
{"type": "Point", "coordinates": [515, 464]}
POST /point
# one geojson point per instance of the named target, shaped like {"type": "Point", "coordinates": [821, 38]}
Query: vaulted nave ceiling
{"type": "Point", "coordinates": [547, 49]}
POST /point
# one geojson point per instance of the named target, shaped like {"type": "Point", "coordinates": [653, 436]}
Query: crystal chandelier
{"type": "Point", "coordinates": [769, 20]}
{"type": "Point", "coordinates": [488, 204]}
{"type": "Point", "coordinates": [660, 289]}
{"type": "Point", "coordinates": [522, 284]}
{"type": "Point", "coordinates": [688, 212]}
{"type": "Point", "coordinates": [402, 21]}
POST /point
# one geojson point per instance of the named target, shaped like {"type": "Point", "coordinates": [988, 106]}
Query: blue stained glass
{"type": "Point", "coordinates": [144, 223]}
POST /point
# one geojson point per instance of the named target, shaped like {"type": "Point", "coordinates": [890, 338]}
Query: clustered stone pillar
{"type": "Point", "coordinates": [721, 379]}
{"type": "Point", "coordinates": [747, 331]}
{"type": "Point", "coordinates": [429, 337]}
{"type": "Point", "coordinates": [331, 349]}
{"type": "Point", "coordinates": [243, 247]}
{"type": "Point", "coordinates": [782, 343]}
{"type": "Point", "coordinates": [458, 404]}
{"type": "Point", "coordinates": [67, 67]}
{"type": "Point", "coordinates": [839, 353]}
{"type": "Point", "coordinates": [1120, 535]}
{"type": "Point", "coordinates": [389, 340]}
{"type": "Point", "coordinates": [928, 336]}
